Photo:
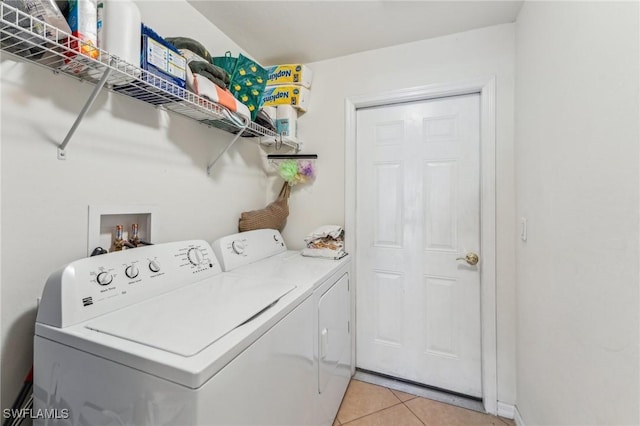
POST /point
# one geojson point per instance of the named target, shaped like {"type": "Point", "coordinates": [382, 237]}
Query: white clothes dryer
{"type": "Point", "coordinates": [262, 254]}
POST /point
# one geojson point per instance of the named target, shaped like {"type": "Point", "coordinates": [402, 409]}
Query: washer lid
{"type": "Point", "coordinates": [186, 321]}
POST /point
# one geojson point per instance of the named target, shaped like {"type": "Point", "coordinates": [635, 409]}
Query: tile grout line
{"type": "Point", "coordinates": [373, 412]}
{"type": "Point", "coordinates": [414, 414]}
{"type": "Point", "coordinates": [423, 422]}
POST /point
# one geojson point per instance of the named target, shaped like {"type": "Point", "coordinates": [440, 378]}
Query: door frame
{"type": "Point", "coordinates": [486, 88]}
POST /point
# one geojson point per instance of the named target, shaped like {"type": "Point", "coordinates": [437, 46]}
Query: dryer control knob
{"type": "Point", "coordinates": [154, 266]}
{"type": "Point", "coordinates": [195, 256]}
{"type": "Point", "coordinates": [238, 246]}
{"type": "Point", "coordinates": [104, 278]}
{"type": "Point", "coordinates": [131, 271]}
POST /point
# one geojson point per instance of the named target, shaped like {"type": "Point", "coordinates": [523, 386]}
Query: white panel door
{"type": "Point", "coordinates": [418, 211]}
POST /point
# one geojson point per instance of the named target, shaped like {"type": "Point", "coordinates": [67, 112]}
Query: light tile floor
{"type": "Point", "coordinates": [366, 404]}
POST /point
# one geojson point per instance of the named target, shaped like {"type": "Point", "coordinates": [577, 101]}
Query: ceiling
{"type": "Point", "coordinates": [279, 32]}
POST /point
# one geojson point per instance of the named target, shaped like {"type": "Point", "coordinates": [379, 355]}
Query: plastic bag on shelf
{"type": "Point", "coordinates": [49, 12]}
{"type": "Point", "coordinates": [31, 32]}
{"type": "Point", "coordinates": [31, 35]}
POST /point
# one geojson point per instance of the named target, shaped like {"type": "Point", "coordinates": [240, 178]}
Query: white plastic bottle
{"type": "Point", "coordinates": [119, 32]}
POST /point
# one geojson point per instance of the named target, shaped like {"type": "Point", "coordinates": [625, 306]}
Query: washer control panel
{"type": "Point", "coordinates": [247, 247]}
{"type": "Point", "coordinates": [96, 285]}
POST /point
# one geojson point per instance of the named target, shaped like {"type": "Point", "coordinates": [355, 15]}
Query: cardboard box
{"type": "Point", "coordinates": [296, 74]}
{"type": "Point", "coordinates": [158, 59]}
{"type": "Point", "coordinates": [162, 59]}
{"type": "Point", "coordinates": [296, 96]}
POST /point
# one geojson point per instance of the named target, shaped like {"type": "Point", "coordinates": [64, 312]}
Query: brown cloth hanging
{"type": "Point", "coordinates": [274, 216]}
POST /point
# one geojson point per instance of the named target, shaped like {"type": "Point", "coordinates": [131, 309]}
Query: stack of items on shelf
{"type": "Point", "coordinates": [206, 79]}
{"type": "Point", "coordinates": [287, 94]}
{"type": "Point", "coordinates": [115, 27]}
{"type": "Point", "coordinates": [156, 70]}
{"type": "Point", "coordinates": [110, 25]}
{"type": "Point", "coordinates": [326, 242]}
{"type": "Point", "coordinates": [100, 29]}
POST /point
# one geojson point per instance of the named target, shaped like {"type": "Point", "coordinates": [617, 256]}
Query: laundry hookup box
{"type": "Point", "coordinates": [296, 96]}
{"type": "Point", "coordinates": [160, 61]}
{"type": "Point", "coordinates": [297, 74]}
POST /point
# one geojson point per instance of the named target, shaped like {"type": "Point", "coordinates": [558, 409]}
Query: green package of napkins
{"type": "Point", "coordinates": [248, 80]}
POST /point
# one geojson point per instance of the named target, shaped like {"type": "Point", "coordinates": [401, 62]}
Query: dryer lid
{"type": "Point", "coordinates": [186, 321]}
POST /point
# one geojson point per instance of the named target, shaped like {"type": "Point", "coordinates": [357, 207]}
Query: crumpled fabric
{"type": "Point", "coordinates": [333, 231]}
{"type": "Point", "coordinates": [324, 253]}
{"type": "Point", "coordinates": [210, 71]}
{"type": "Point", "coordinates": [193, 45]}
{"type": "Point", "coordinates": [326, 241]}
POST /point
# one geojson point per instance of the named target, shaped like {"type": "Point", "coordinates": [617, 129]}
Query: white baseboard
{"type": "Point", "coordinates": [505, 410]}
{"type": "Point", "coordinates": [518, 418]}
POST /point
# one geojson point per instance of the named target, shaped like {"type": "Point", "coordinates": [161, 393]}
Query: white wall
{"type": "Point", "coordinates": [124, 153]}
{"type": "Point", "coordinates": [478, 53]}
{"type": "Point", "coordinates": [577, 183]}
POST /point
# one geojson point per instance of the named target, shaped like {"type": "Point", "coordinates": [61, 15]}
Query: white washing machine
{"type": "Point", "coordinates": [329, 282]}
{"type": "Point", "coordinates": [159, 336]}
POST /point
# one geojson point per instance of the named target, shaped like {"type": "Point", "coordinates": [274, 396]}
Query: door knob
{"type": "Point", "coordinates": [471, 258]}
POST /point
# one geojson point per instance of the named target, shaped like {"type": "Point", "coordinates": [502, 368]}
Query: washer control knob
{"type": "Point", "coordinates": [238, 246]}
{"type": "Point", "coordinates": [104, 278]}
{"type": "Point", "coordinates": [154, 266]}
{"type": "Point", "coordinates": [131, 271]}
{"type": "Point", "coordinates": [195, 256]}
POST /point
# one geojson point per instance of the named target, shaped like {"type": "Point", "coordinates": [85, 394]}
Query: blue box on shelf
{"type": "Point", "coordinates": [159, 61]}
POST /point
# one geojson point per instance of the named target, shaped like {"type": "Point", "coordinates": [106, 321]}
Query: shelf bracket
{"type": "Point", "coordinates": [242, 128]}
{"type": "Point", "coordinates": [62, 153]}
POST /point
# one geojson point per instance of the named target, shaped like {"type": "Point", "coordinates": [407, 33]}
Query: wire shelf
{"type": "Point", "coordinates": [27, 38]}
